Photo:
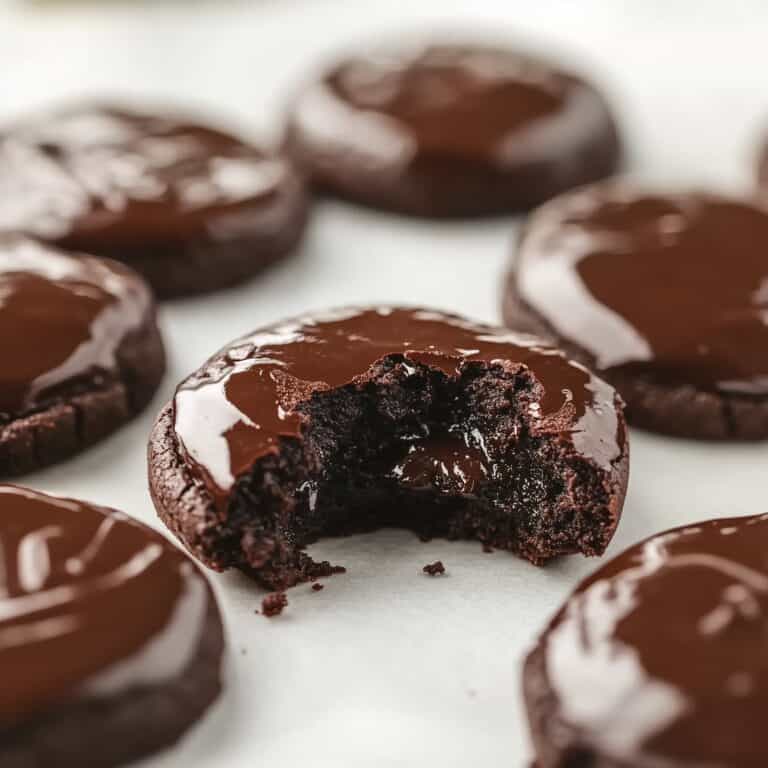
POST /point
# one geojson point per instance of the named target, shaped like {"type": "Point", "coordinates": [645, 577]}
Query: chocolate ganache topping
{"type": "Point", "coordinates": [99, 177]}
{"type": "Point", "coordinates": [244, 401]}
{"type": "Point", "coordinates": [659, 658]}
{"type": "Point", "coordinates": [62, 318]}
{"type": "Point", "coordinates": [92, 604]}
{"type": "Point", "coordinates": [396, 107]}
{"type": "Point", "coordinates": [674, 287]}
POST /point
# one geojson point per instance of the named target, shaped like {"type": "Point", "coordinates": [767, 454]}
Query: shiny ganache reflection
{"type": "Point", "coordinates": [401, 106]}
{"type": "Point", "coordinates": [659, 658]}
{"type": "Point", "coordinates": [245, 400]}
{"type": "Point", "coordinates": [92, 604]}
{"type": "Point", "coordinates": [674, 287]}
{"type": "Point", "coordinates": [100, 176]}
{"type": "Point", "coordinates": [61, 318]}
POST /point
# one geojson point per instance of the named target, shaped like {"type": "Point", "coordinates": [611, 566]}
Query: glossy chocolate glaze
{"type": "Point", "coordinates": [399, 107]}
{"type": "Point", "coordinates": [244, 401]}
{"type": "Point", "coordinates": [674, 287]}
{"type": "Point", "coordinates": [62, 319]}
{"type": "Point", "coordinates": [100, 177]}
{"type": "Point", "coordinates": [659, 658]}
{"type": "Point", "coordinates": [92, 605]}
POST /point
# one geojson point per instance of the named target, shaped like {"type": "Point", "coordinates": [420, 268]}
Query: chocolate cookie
{"type": "Point", "coordinates": [190, 207]}
{"type": "Point", "coordinates": [364, 418]}
{"type": "Point", "coordinates": [81, 352]}
{"type": "Point", "coordinates": [451, 130]}
{"type": "Point", "coordinates": [110, 638]}
{"type": "Point", "coordinates": [659, 658]}
{"type": "Point", "coordinates": [664, 295]}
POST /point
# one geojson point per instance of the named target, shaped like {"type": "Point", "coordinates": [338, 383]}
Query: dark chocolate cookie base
{"type": "Point", "coordinates": [452, 188]}
{"type": "Point", "coordinates": [107, 732]}
{"type": "Point", "coordinates": [85, 413]}
{"type": "Point", "coordinates": [554, 502]}
{"type": "Point", "coordinates": [677, 410]}
{"type": "Point", "coordinates": [197, 266]}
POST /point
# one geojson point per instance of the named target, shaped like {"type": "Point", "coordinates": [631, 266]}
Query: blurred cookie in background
{"type": "Point", "coordinates": [658, 659]}
{"type": "Point", "coordinates": [450, 130]}
{"type": "Point", "coordinates": [81, 350]}
{"type": "Point", "coordinates": [111, 641]}
{"type": "Point", "coordinates": [665, 295]}
{"type": "Point", "coordinates": [192, 208]}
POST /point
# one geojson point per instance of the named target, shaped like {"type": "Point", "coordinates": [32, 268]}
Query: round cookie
{"type": "Point", "coordinates": [658, 659]}
{"type": "Point", "coordinates": [110, 637]}
{"type": "Point", "coordinates": [364, 418]}
{"type": "Point", "coordinates": [451, 130]}
{"type": "Point", "coordinates": [81, 351]}
{"type": "Point", "coordinates": [190, 207]}
{"type": "Point", "coordinates": [664, 295]}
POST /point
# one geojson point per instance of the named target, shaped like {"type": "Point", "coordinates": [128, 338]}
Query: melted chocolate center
{"type": "Point", "coordinates": [449, 464]}
{"type": "Point", "coordinates": [62, 318]}
{"type": "Point", "coordinates": [659, 658]}
{"type": "Point", "coordinates": [245, 401]}
{"type": "Point", "coordinates": [675, 287]}
{"type": "Point", "coordinates": [91, 604]}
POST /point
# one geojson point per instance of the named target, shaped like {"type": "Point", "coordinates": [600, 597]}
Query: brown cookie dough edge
{"type": "Point", "coordinates": [88, 414]}
{"type": "Point", "coordinates": [181, 500]}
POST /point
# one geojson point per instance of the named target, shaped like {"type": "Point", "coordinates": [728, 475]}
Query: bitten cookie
{"type": "Point", "coordinates": [363, 418]}
{"type": "Point", "coordinates": [110, 637]}
{"type": "Point", "coordinates": [192, 208]}
{"type": "Point", "coordinates": [81, 352]}
{"type": "Point", "coordinates": [449, 130]}
{"type": "Point", "coordinates": [658, 659]}
{"type": "Point", "coordinates": [662, 294]}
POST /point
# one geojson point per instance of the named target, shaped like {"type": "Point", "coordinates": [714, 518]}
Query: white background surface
{"type": "Point", "coordinates": [387, 667]}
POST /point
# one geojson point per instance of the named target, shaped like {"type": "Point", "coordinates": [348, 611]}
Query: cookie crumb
{"type": "Point", "coordinates": [273, 605]}
{"type": "Point", "coordinates": [322, 570]}
{"type": "Point", "coordinates": [434, 569]}
{"type": "Point", "coordinates": [487, 548]}
{"type": "Point", "coordinates": [317, 587]}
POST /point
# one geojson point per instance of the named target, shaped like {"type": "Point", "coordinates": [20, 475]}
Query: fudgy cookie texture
{"type": "Point", "coordinates": [81, 352]}
{"type": "Point", "coordinates": [192, 208]}
{"type": "Point", "coordinates": [664, 295]}
{"type": "Point", "coordinates": [364, 418]}
{"type": "Point", "coordinates": [451, 130]}
{"type": "Point", "coordinates": [658, 659]}
{"type": "Point", "coordinates": [110, 637]}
